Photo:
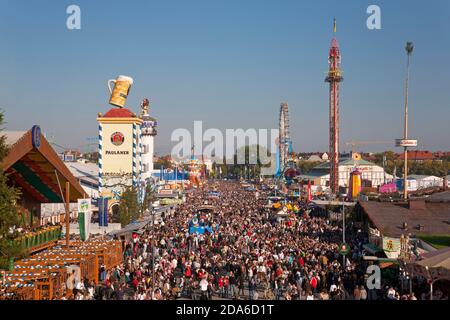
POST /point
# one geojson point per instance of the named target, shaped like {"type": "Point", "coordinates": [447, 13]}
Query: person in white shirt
{"type": "Point", "coordinates": [79, 286]}
{"type": "Point", "coordinates": [204, 284]}
{"type": "Point", "coordinates": [141, 296]}
{"type": "Point", "coordinates": [174, 263]}
{"type": "Point", "coordinates": [333, 287]}
{"type": "Point", "coordinates": [363, 293]}
{"type": "Point", "coordinates": [391, 294]}
{"type": "Point", "coordinates": [91, 292]}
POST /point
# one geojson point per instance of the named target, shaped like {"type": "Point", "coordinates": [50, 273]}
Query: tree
{"type": "Point", "coordinates": [8, 211]}
{"type": "Point", "coordinates": [128, 206]}
{"type": "Point", "coordinates": [252, 158]}
{"type": "Point", "coordinates": [148, 198]}
{"type": "Point", "coordinates": [305, 166]}
{"type": "Point", "coordinates": [163, 162]}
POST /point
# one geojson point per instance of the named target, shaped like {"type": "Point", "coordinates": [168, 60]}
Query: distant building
{"type": "Point", "coordinates": [314, 158]}
{"type": "Point", "coordinates": [426, 181]}
{"type": "Point", "coordinates": [87, 176]}
{"type": "Point", "coordinates": [416, 155]}
{"type": "Point", "coordinates": [441, 154]}
{"type": "Point", "coordinates": [208, 164]}
{"type": "Point", "coordinates": [387, 221]}
{"type": "Point", "coordinates": [372, 174]}
{"type": "Point", "coordinates": [70, 155]}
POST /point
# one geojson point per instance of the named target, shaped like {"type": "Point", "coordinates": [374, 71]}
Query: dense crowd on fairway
{"type": "Point", "coordinates": [249, 255]}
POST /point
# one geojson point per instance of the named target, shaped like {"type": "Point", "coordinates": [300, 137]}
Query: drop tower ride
{"type": "Point", "coordinates": [334, 77]}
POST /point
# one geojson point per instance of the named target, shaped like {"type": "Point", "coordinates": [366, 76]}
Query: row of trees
{"type": "Point", "coordinates": [437, 168]}
{"type": "Point", "coordinates": [246, 163]}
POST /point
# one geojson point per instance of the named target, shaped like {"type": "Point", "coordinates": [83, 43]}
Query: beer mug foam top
{"type": "Point", "coordinates": [121, 90]}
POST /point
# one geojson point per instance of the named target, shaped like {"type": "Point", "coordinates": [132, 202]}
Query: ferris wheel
{"type": "Point", "coordinates": [285, 144]}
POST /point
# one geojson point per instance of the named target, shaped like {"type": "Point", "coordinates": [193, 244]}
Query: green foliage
{"type": "Point", "coordinates": [437, 241]}
{"type": "Point", "coordinates": [306, 166]}
{"type": "Point", "coordinates": [246, 163]}
{"type": "Point", "coordinates": [223, 168]}
{"type": "Point", "coordinates": [148, 198]}
{"type": "Point", "coordinates": [129, 208]}
{"type": "Point", "coordinates": [437, 168]}
{"type": "Point", "coordinates": [8, 211]}
{"type": "Point", "coordinates": [91, 156]}
{"type": "Point", "coordinates": [163, 161]}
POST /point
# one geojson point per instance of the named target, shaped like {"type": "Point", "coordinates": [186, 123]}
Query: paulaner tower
{"type": "Point", "coordinates": [148, 130]}
{"type": "Point", "coordinates": [334, 77]}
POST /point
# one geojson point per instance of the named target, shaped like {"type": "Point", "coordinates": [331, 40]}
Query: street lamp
{"type": "Point", "coordinates": [409, 49]}
{"type": "Point", "coordinates": [153, 254]}
{"type": "Point", "coordinates": [343, 228]}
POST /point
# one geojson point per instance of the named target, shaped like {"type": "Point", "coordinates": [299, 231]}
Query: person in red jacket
{"type": "Point", "coordinates": [188, 272]}
{"type": "Point", "coordinates": [279, 271]}
{"type": "Point", "coordinates": [301, 261]}
{"type": "Point", "coordinates": [313, 283]}
{"type": "Point", "coordinates": [221, 288]}
{"type": "Point", "coordinates": [226, 284]}
{"type": "Point", "coordinates": [200, 274]}
{"type": "Point", "coordinates": [135, 283]}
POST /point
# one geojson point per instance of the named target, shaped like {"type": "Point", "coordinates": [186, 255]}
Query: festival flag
{"type": "Point", "coordinates": [100, 211]}
{"type": "Point", "coordinates": [84, 218]}
{"type": "Point", "coordinates": [105, 212]}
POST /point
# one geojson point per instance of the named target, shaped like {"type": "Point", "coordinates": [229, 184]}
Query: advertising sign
{"type": "Point", "coordinates": [105, 212]}
{"type": "Point", "coordinates": [84, 218]}
{"type": "Point", "coordinates": [100, 211]}
{"type": "Point", "coordinates": [117, 151]}
{"type": "Point", "coordinates": [405, 143]}
{"type": "Point", "coordinates": [344, 249]}
{"type": "Point", "coordinates": [391, 247]}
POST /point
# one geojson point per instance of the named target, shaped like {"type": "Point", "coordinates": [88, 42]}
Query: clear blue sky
{"type": "Point", "coordinates": [229, 63]}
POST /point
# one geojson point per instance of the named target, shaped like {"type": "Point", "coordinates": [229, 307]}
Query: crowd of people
{"type": "Point", "coordinates": [247, 252]}
{"type": "Point", "coordinates": [249, 255]}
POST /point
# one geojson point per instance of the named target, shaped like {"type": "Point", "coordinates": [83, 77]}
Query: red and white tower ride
{"type": "Point", "coordinates": [334, 77]}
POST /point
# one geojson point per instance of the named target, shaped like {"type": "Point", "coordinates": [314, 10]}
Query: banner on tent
{"type": "Point", "coordinates": [84, 218]}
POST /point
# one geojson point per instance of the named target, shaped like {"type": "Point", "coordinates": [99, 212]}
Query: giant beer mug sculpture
{"type": "Point", "coordinates": [121, 90]}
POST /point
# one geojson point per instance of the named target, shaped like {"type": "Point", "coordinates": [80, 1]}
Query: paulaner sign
{"type": "Point", "coordinates": [117, 152]}
{"type": "Point", "coordinates": [117, 148]}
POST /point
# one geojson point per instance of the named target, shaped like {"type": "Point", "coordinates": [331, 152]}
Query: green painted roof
{"type": "Point", "coordinates": [35, 181]}
{"type": "Point", "coordinates": [345, 162]}
{"type": "Point", "coordinates": [312, 175]}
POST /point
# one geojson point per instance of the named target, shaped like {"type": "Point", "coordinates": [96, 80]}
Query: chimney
{"type": "Point", "coordinates": [416, 204]}
{"type": "Point", "coordinates": [420, 227]}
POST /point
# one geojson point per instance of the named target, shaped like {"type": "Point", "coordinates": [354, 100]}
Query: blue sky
{"type": "Point", "coordinates": [229, 63]}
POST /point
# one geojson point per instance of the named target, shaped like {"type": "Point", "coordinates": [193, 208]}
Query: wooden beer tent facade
{"type": "Point", "coordinates": [32, 165]}
{"type": "Point", "coordinates": [43, 276]}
